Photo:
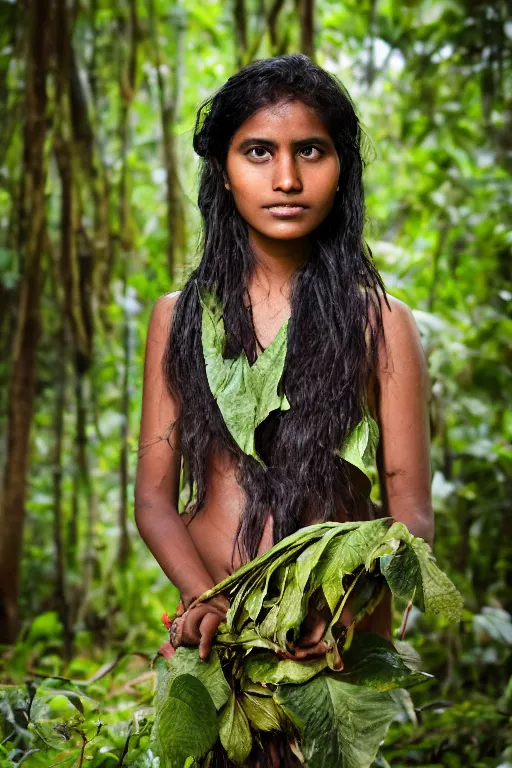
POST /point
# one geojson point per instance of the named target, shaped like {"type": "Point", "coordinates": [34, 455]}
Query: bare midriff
{"type": "Point", "coordinates": [213, 531]}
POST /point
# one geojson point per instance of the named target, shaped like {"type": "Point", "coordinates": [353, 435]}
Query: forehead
{"type": "Point", "coordinates": [286, 120]}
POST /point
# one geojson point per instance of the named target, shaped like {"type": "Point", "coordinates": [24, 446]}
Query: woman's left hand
{"type": "Point", "coordinates": [311, 644]}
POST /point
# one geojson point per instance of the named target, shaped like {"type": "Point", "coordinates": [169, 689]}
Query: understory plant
{"type": "Point", "coordinates": [336, 709]}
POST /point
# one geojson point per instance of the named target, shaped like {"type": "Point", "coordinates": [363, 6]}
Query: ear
{"type": "Point", "coordinates": [221, 170]}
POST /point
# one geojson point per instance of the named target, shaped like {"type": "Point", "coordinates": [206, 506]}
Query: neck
{"type": "Point", "coordinates": [276, 263]}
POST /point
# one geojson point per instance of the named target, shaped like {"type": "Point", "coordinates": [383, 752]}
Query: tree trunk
{"type": "Point", "coordinates": [307, 28]}
{"type": "Point", "coordinates": [76, 278]}
{"type": "Point", "coordinates": [23, 361]}
{"type": "Point", "coordinates": [240, 18]}
{"type": "Point", "coordinates": [61, 596]}
{"type": "Point", "coordinates": [129, 78]}
{"type": "Point", "coordinates": [83, 487]}
{"type": "Point", "coordinates": [176, 233]}
{"type": "Point", "coordinates": [272, 18]}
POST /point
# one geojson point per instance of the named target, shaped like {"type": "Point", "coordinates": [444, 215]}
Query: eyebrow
{"type": "Point", "coordinates": [272, 144]}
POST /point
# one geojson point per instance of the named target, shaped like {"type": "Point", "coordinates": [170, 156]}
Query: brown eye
{"type": "Point", "coordinates": [254, 149]}
{"type": "Point", "coordinates": [315, 148]}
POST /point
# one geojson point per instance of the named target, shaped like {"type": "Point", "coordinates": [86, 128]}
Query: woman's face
{"type": "Point", "coordinates": [283, 156]}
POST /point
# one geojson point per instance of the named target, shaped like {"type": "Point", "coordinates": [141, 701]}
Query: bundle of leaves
{"type": "Point", "coordinates": [335, 709]}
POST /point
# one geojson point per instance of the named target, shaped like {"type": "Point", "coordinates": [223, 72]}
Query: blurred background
{"type": "Point", "coordinates": [98, 218]}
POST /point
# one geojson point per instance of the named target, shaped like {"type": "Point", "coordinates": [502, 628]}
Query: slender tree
{"type": "Point", "coordinates": [168, 101]}
{"type": "Point", "coordinates": [307, 27]}
{"type": "Point", "coordinates": [23, 360]}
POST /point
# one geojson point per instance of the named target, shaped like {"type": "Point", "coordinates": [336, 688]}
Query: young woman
{"type": "Point", "coordinates": [284, 259]}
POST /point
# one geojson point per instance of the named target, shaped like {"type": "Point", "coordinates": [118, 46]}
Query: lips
{"type": "Point", "coordinates": [286, 211]}
{"type": "Point", "coordinates": [285, 205]}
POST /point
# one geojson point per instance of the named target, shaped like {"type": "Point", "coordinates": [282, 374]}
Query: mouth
{"type": "Point", "coordinates": [286, 211]}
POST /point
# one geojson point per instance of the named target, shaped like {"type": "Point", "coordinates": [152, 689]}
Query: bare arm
{"type": "Point", "coordinates": [405, 473]}
{"type": "Point", "coordinates": [157, 482]}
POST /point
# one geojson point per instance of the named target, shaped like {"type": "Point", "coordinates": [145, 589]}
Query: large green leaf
{"type": "Point", "coordinates": [412, 574]}
{"type": "Point", "coordinates": [186, 724]}
{"type": "Point", "coordinates": [245, 394]}
{"type": "Point", "coordinates": [187, 661]}
{"type": "Point", "coordinates": [360, 447]}
{"type": "Point", "coordinates": [262, 711]}
{"type": "Point", "coordinates": [234, 730]}
{"type": "Point", "coordinates": [293, 606]}
{"type": "Point", "coordinates": [374, 662]}
{"type": "Point", "coordinates": [269, 668]}
{"type": "Point", "coordinates": [345, 554]}
{"type": "Point", "coordinates": [341, 725]}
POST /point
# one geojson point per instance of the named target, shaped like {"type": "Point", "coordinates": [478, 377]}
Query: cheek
{"type": "Point", "coordinates": [246, 181]}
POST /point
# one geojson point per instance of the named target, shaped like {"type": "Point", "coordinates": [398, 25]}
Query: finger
{"type": "Point", "coordinates": [320, 649]}
{"type": "Point", "coordinates": [177, 629]}
{"type": "Point", "coordinates": [313, 637]}
{"type": "Point", "coordinates": [314, 634]}
{"type": "Point", "coordinates": [220, 602]}
{"type": "Point", "coordinates": [207, 630]}
{"type": "Point", "coordinates": [285, 655]}
{"type": "Point", "coordinates": [189, 629]}
{"type": "Point", "coordinates": [193, 618]}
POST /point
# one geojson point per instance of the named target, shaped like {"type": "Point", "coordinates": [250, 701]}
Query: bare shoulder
{"type": "Point", "coordinates": [161, 315]}
{"type": "Point", "coordinates": [403, 347]}
{"type": "Point", "coordinates": [166, 303]}
{"type": "Point", "coordinates": [397, 317]}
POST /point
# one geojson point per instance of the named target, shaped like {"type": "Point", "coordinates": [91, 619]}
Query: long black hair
{"type": "Point", "coordinates": [333, 333]}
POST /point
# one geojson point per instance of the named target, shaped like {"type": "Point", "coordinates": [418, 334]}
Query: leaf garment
{"type": "Point", "coordinates": [247, 394]}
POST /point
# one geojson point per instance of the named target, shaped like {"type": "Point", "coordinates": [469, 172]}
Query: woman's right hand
{"type": "Point", "coordinates": [199, 623]}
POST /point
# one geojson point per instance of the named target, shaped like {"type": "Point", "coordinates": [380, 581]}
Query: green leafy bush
{"type": "Point", "coordinates": [335, 709]}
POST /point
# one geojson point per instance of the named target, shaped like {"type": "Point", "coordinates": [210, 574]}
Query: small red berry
{"type": "Point", "coordinates": [166, 620]}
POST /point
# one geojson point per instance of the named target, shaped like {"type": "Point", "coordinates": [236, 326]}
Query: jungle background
{"type": "Point", "coordinates": [98, 218]}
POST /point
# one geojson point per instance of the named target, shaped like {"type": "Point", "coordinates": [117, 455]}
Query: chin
{"type": "Point", "coordinates": [289, 235]}
{"type": "Point", "coordinates": [285, 231]}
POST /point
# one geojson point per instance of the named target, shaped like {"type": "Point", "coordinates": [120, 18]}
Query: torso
{"type": "Point", "coordinates": [213, 529]}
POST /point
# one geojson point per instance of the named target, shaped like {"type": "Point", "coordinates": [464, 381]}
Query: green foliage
{"type": "Point", "coordinates": [52, 722]}
{"type": "Point", "coordinates": [341, 724]}
{"type": "Point", "coordinates": [234, 730]}
{"type": "Point", "coordinates": [186, 724]}
{"type": "Point", "coordinates": [431, 84]}
{"type": "Point", "coordinates": [339, 717]}
{"type": "Point", "coordinates": [186, 661]}
{"type": "Point", "coordinates": [245, 394]}
{"type": "Point", "coordinates": [269, 600]}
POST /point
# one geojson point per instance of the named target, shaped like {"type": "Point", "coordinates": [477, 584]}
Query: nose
{"type": "Point", "coordinates": [286, 175]}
